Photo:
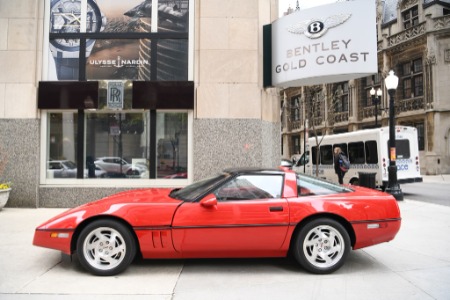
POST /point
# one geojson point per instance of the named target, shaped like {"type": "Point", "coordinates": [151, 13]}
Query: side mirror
{"type": "Point", "coordinates": [209, 201]}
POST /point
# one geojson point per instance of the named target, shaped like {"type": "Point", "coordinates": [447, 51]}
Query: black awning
{"type": "Point", "coordinates": [68, 95]}
{"type": "Point", "coordinates": [163, 94]}
{"type": "Point", "coordinates": [146, 95]}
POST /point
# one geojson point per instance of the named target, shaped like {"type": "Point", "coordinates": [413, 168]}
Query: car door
{"type": "Point", "coordinates": [248, 218]}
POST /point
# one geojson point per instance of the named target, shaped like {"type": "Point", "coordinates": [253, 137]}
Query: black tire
{"type": "Point", "coordinates": [321, 246]}
{"type": "Point", "coordinates": [106, 247]}
{"type": "Point", "coordinates": [132, 172]}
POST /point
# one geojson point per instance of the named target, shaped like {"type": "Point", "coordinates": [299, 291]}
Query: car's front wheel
{"type": "Point", "coordinates": [322, 246]}
{"type": "Point", "coordinates": [105, 247]}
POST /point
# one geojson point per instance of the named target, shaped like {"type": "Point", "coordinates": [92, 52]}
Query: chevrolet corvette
{"type": "Point", "coordinates": [238, 213]}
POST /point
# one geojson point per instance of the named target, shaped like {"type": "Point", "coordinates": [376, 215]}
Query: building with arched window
{"type": "Point", "coordinates": [414, 41]}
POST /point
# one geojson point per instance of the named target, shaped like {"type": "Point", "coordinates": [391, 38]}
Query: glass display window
{"type": "Point", "coordinates": [62, 145]}
{"type": "Point", "coordinates": [117, 145]}
{"type": "Point", "coordinates": [172, 145]}
{"type": "Point", "coordinates": [100, 123]}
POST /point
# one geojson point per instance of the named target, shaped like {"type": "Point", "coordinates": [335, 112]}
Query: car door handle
{"type": "Point", "coordinates": [276, 208]}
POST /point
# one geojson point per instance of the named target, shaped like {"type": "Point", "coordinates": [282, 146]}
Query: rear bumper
{"type": "Point", "coordinates": [374, 232]}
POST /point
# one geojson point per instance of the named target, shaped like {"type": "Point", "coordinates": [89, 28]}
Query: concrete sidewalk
{"type": "Point", "coordinates": [442, 178]}
{"type": "Point", "coordinates": [416, 265]}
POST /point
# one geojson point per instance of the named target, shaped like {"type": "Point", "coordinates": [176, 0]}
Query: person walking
{"type": "Point", "coordinates": [337, 164]}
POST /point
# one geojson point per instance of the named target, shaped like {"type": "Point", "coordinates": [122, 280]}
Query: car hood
{"type": "Point", "coordinates": [157, 196]}
{"type": "Point", "coordinates": [141, 208]}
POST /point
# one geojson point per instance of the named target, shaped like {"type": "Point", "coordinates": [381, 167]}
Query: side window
{"type": "Point", "coordinates": [356, 153]}
{"type": "Point", "coordinates": [248, 187]}
{"type": "Point", "coordinates": [371, 152]}
{"type": "Point", "coordinates": [304, 159]}
{"type": "Point", "coordinates": [314, 155]}
{"type": "Point", "coordinates": [343, 147]}
{"type": "Point", "coordinates": [326, 155]}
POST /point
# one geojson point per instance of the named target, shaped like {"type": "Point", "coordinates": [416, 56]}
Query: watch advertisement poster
{"type": "Point", "coordinates": [118, 58]}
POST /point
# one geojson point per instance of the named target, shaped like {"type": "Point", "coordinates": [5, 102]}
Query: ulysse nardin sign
{"type": "Point", "coordinates": [325, 44]}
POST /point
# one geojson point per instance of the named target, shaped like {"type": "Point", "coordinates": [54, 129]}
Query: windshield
{"type": "Point", "coordinates": [194, 191]}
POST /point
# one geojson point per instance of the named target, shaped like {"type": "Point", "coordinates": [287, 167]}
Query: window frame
{"type": "Point", "coordinates": [295, 108]}
{"type": "Point", "coordinates": [106, 182]}
{"type": "Point", "coordinates": [48, 60]}
{"type": "Point", "coordinates": [342, 100]}
{"type": "Point", "coordinates": [412, 78]}
{"type": "Point", "coordinates": [87, 37]}
{"type": "Point", "coordinates": [410, 17]}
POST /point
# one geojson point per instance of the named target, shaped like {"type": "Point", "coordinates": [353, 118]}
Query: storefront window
{"type": "Point", "coordinates": [62, 156]}
{"type": "Point", "coordinates": [172, 60]}
{"type": "Point", "coordinates": [125, 16]}
{"type": "Point", "coordinates": [103, 119]}
{"type": "Point", "coordinates": [117, 145]}
{"type": "Point", "coordinates": [171, 135]}
{"type": "Point", "coordinates": [173, 15]}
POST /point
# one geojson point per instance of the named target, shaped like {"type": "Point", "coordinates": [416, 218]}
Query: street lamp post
{"type": "Point", "coordinates": [393, 187]}
{"type": "Point", "coordinates": [376, 100]}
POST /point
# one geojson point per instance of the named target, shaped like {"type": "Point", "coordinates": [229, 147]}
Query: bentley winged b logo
{"type": "Point", "coordinates": [315, 28]}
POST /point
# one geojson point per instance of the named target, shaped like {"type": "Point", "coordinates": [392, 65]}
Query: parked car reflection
{"type": "Point", "coordinates": [68, 169]}
{"type": "Point", "coordinates": [115, 166]}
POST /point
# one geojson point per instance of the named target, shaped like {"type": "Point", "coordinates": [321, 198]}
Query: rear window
{"type": "Point", "coordinates": [311, 186]}
{"type": "Point", "coordinates": [402, 149]}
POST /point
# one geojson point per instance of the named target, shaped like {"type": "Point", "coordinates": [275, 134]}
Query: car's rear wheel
{"type": "Point", "coordinates": [105, 247]}
{"type": "Point", "coordinates": [322, 246]}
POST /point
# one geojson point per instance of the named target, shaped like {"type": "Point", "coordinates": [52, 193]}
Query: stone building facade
{"type": "Point", "coordinates": [414, 42]}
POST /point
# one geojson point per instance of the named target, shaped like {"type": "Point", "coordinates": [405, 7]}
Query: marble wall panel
{"type": "Point", "coordinates": [19, 147]}
{"type": "Point", "coordinates": [225, 143]}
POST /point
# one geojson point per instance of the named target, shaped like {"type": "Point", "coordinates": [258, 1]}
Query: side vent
{"type": "Point", "coordinates": [158, 239]}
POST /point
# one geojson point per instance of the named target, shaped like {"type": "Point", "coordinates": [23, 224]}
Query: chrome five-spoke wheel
{"type": "Point", "coordinates": [105, 247]}
{"type": "Point", "coordinates": [322, 246]}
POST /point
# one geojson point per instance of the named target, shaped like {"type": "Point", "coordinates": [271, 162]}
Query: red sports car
{"type": "Point", "coordinates": [238, 213]}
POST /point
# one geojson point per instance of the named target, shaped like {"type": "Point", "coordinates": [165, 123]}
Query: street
{"type": "Point", "coordinates": [430, 192]}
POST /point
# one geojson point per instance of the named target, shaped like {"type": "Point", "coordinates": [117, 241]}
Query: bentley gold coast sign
{"type": "Point", "coordinates": [325, 44]}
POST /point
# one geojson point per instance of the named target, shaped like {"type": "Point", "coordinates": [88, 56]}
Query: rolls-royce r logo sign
{"type": "Point", "coordinates": [115, 94]}
{"type": "Point", "coordinates": [324, 44]}
{"type": "Point", "coordinates": [317, 27]}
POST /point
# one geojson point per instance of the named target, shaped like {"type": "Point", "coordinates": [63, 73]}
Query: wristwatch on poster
{"type": "Point", "coordinates": [66, 17]}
